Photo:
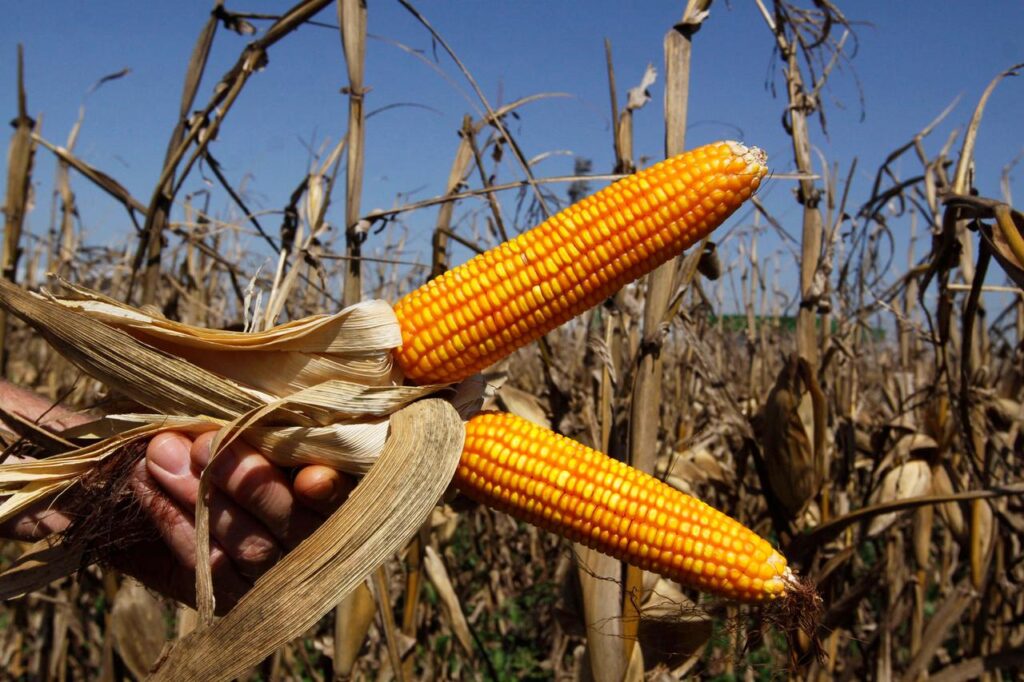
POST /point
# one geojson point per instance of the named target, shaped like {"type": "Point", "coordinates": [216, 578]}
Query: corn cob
{"type": "Point", "coordinates": [476, 314]}
{"type": "Point", "coordinates": [569, 489]}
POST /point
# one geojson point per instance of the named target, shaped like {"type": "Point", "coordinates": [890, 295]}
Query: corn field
{"type": "Point", "coordinates": [840, 371]}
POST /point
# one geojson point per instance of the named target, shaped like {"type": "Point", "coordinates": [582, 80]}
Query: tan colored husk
{"type": "Point", "coordinates": [163, 383]}
{"type": "Point", "coordinates": [911, 479]}
{"type": "Point", "coordinates": [787, 427]}
{"type": "Point", "coordinates": [950, 512]}
{"type": "Point", "coordinates": [354, 344]}
{"type": "Point", "coordinates": [199, 380]}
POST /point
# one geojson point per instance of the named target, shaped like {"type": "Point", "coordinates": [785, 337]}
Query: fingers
{"type": "Point", "coordinates": [169, 566]}
{"type": "Point", "coordinates": [321, 488]}
{"type": "Point", "coordinates": [243, 537]}
{"type": "Point", "coordinates": [259, 486]}
{"type": "Point", "coordinates": [36, 523]}
{"type": "Point", "coordinates": [36, 408]}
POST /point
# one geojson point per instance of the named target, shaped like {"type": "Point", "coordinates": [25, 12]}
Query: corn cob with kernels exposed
{"type": "Point", "coordinates": [562, 486]}
{"type": "Point", "coordinates": [480, 312]}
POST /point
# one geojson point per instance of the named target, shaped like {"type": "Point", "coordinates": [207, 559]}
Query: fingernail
{"type": "Point", "coordinates": [325, 490]}
{"type": "Point", "coordinates": [170, 453]}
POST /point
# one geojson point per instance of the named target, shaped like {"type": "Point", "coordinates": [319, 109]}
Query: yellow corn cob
{"type": "Point", "coordinates": [558, 484]}
{"type": "Point", "coordinates": [476, 314]}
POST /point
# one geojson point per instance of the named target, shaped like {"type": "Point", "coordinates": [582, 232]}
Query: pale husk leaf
{"type": "Point", "coordinates": [386, 508]}
{"type": "Point", "coordinates": [163, 383]}
{"type": "Point", "coordinates": [362, 329]}
{"type": "Point", "coordinates": [29, 494]}
{"type": "Point", "coordinates": [911, 479]}
{"type": "Point", "coordinates": [951, 513]}
{"type": "Point", "coordinates": [350, 447]}
{"type": "Point", "coordinates": [353, 345]}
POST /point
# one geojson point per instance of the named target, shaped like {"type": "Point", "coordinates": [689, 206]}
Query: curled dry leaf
{"type": "Point", "coordinates": [911, 479]}
{"type": "Point", "coordinates": [913, 446]}
{"type": "Point", "coordinates": [689, 468]}
{"type": "Point", "coordinates": [523, 404]}
{"type": "Point", "coordinates": [640, 95]}
{"type": "Point", "coordinates": [1007, 242]}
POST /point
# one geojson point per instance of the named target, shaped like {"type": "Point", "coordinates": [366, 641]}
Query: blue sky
{"type": "Point", "coordinates": [914, 57]}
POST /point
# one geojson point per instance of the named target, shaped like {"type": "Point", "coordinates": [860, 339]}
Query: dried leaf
{"type": "Point", "coordinates": [1007, 242]}
{"type": "Point", "coordinates": [523, 404]}
{"type": "Point", "coordinates": [354, 616]}
{"type": "Point", "coordinates": [602, 612]}
{"type": "Point", "coordinates": [640, 95]}
{"type": "Point", "coordinates": [41, 564]}
{"type": "Point", "coordinates": [687, 469]}
{"type": "Point", "coordinates": [438, 575]}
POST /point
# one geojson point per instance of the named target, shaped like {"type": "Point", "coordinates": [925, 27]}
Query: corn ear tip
{"type": "Point", "coordinates": [755, 158]}
{"type": "Point", "coordinates": [797, 612]}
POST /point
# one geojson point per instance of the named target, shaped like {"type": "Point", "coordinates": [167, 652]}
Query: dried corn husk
{"type": "Point", "coordinates": [687, 469]}
{"type": "Point", "coordinates": [354, 344]}
{"type": "Point", "coordinates": [792, 444]}
{"type": "Point", "coordinates": [318, 390]}
{"type": "Point", "coordinates": [912, 479]}
{"type": "Point", "coordinates": [137, 623]}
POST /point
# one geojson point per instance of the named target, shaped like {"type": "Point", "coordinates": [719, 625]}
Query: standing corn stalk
{"type": "Point", "coordinates": [352, 17]}
{"type": "Point", "coordinates": [19, 173]}
{"type": "Point", "coordinates": [645, 416]}
{"type": "Point", "coordinates": [800, 36]}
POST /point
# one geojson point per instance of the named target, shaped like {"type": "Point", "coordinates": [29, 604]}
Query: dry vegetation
{"type": "Point", "coordinates": [887, 466]}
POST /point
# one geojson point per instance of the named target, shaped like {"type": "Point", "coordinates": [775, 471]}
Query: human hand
{"type": "Point", "coordinates": [256, 513]}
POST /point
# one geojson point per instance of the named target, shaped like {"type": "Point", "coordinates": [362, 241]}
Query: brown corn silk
{"type": "Point", "coordinates": [480, 312]}
{"type": "Point", "coordinates": [579, 493]}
